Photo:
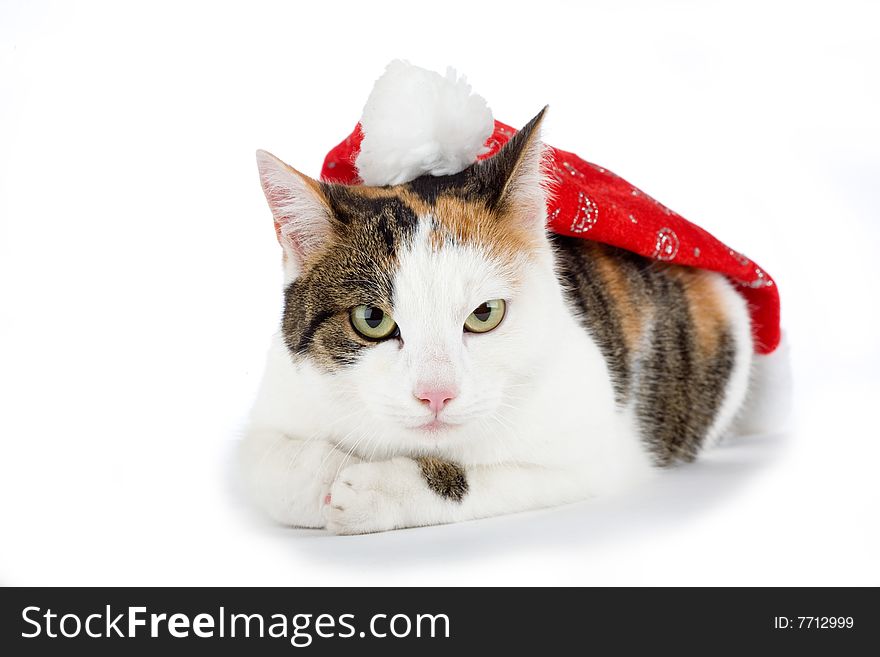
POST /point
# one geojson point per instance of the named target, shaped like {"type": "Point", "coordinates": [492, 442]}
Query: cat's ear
{"type": "Point", "coordinates": [515, 175]}
{"type": "Point", "coordinates": [300, 208]}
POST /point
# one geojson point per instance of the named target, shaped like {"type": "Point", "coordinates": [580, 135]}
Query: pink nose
{"type": "Point", "coordinates": [435, 398]}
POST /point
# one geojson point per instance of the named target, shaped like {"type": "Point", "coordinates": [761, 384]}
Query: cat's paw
{"type": "Point", "coordinates": [371, 497]}
{"type": "Point", "coordinates": [291, 479]}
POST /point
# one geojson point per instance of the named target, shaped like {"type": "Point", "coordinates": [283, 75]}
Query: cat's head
{"type": "Point", "coordinates": [422, 304]}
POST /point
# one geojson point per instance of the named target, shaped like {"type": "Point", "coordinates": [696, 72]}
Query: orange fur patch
{"type": "Point", "coordinates": [706, 309]}
{"type": "Point", "coordinates": [473, 223]}
{"type": "Point", "coordinates": [463, 221]}
{"type": "Point", "coordinates": [626, 301]}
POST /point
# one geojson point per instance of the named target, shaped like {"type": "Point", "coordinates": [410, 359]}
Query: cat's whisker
{"type": "Point", "coordinates": [278, 443]}
{"type": "Point", "coordinates": [336, 448]}
{"type": "Point", "coordinates": [347, 457]}
{"type": "Point", "coordinates": [495, 437]}
{"type": "Point", "coordinates": [501, 439]}
{"type": "Point", "coordinates": [376, 443]}
{"type": "Point", "coordinates": [313, 437]}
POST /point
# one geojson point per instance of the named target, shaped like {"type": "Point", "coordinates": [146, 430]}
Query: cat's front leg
{"type": "Point", "coordinates": [405, 492]}
{"type": "Point", "coordinates": [290, 478]}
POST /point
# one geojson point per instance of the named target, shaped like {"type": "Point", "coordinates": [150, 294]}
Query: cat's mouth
{"type": "Point", "coordinates": [435, 426]}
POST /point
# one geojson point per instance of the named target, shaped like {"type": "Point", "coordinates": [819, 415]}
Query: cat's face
{"type": "Point", "coordinates": [421, 304]}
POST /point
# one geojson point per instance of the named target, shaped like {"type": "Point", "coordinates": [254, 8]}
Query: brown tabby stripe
{"type": "Point", "coordinates": [355, 267]}
{"type": "Point", "coordinates": [578, 263]}
{"type": "Point", "coordinates": [663, 334]}
{"type": "Point", "coordinates": [680, 388]}
{"type": "Point", "coordinates": [444, 478]}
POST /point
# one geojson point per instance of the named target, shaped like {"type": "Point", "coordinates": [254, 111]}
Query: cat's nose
{"type": "Point", "coordinates": [435, 398]}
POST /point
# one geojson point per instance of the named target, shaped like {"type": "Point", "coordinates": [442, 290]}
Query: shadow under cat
{"type": "Point", "coordinates": [675, 496]}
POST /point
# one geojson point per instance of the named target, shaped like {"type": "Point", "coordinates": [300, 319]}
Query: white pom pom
{"type": "Point", "coordinates": [418, 122]}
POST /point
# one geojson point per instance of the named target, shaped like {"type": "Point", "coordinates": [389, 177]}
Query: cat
{"type": "Point", "coordinates": [442, 357]}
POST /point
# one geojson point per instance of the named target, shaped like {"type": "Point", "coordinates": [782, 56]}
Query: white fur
{"type": "Point", "coordinates": [767, 406]}
{"type": "Point", "coordinates": [419, 122]}
{"type": "Point", "coordinates": [536, 420]}
{"type": "Point", "coordinates": [736, 310]}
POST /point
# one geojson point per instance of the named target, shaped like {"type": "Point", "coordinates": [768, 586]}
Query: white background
{"type": "Point", "coordinates": [139, 274]}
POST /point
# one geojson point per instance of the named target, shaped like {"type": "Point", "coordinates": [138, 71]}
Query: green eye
{"type": "Point", "coordinates": [486, 317]}
{"type": "Point", "coordinates": [373, 323]}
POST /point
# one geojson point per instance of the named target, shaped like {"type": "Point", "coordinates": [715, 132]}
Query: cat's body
{"type": "Point", "coordinates": [604, 365]}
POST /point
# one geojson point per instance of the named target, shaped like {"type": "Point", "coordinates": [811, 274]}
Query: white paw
{"type": "Point", "coordinates": [371, 497]}
{"type": "Point", "coordinates": [292, 480]}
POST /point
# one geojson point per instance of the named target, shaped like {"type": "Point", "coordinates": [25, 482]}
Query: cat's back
{"type": "Point", "coordinates": [677, 341]}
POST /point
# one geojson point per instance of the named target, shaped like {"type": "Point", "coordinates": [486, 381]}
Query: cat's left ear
{"type": "Point", "coordinates": [514, 177]}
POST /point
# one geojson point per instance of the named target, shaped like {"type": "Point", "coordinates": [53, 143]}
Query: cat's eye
{"type": "Point", "coordinates": [486, 317]}
{"type": "Point", "coordinates": [373, 323]}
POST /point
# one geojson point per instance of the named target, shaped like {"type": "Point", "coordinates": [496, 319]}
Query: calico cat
{"type": "Point", "coordinates": [442, 358]}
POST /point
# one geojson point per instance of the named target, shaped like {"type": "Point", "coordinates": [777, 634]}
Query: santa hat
{"type": "Point", "coordinates": [417, 122]}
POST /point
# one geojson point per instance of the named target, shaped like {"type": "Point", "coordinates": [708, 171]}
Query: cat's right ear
{"type": "Point", "coordinates": [299, 206]}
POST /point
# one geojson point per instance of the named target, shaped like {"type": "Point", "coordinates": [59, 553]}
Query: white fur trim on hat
{"type": "Point", "coordinates": [419, 122]}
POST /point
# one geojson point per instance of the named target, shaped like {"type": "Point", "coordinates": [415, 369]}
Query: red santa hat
{"type": "Point", "coordinates": [417, 122]}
